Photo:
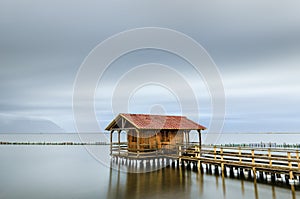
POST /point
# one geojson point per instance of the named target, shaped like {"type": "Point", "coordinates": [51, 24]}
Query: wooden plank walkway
{"type": "Point", "coordinates": [253, 161]}
{"type": "Point", "coordinates": [273, 160]}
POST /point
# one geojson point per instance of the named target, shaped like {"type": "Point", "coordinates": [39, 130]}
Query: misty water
{"type": "Point", "coordinates": [72, 172]}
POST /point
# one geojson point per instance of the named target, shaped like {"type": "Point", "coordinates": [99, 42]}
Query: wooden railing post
{"type": "Point", "coordinates": [290, 165]}
{"type": "Point", "coordinates": [270, 157]}
{"type": "Point", "coordinates": [297, 156]}
{"type": "Point", "coordinates": [179, 151]}
{"type": "Point", "coordinates": [179, 154]}
{"type": "Point", "coordinates": [197, 150]}
{"type": "Point", "coordinates": [222, 158]}
{"type": "Point", "coordinates": [221, 152]}
{"type": "Point", "coordinates": [289, 159]}
{"type": "Point", "coordinates": [253, 167]}
{"type": "Point", "coordinates": [252, 154]}
{"type": "Point", "coordinates": [215, 152]}
{"type": "Point", "coordinates": [240, 154]}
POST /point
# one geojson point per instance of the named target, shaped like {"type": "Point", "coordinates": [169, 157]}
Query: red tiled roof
{"type": "Point", "coordinates": [146, 121]}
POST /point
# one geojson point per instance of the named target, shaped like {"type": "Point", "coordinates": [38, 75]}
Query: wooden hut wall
{"type": "Point", "coordinates": [147, 140]}
{"type": "Point", "coordinates": [152, 139]}
{"type": "Point", "coordinates": [132, 139]}
{"type": "Point", "coordinates": [169, 138]}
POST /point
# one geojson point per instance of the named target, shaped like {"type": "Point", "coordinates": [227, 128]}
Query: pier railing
{"type": "Point", "coordinates": [122, 150]}
{"type": "Point", "coordinates": [262, 161]}
{"type": "Point", "coordinates": [276, 165]}
{"type": "Point", "coordinates": [260, 158]}
{"type": "Point", "coordinates": [267, 159]}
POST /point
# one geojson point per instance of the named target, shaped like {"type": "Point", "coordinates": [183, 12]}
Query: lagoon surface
{"type": "Point", "coordinates": [32, 171]}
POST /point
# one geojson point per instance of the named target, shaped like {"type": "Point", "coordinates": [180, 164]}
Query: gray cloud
{"type": "Point", "coordinates": [13, 124]}
{"type": "Point", "coordinates": [255, 45]}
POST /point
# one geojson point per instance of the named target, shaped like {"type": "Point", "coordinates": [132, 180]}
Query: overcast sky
{"type": "Point", "coordinates": [255, 45]}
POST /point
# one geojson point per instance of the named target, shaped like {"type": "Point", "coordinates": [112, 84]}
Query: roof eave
{"type": "Point", "coordinates": [109, 127]}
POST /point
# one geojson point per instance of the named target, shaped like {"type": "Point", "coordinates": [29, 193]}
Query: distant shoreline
{"type": "Point", "coordinates": [53, 143]}
{"type": "Point", "coordinates": [251, 145]}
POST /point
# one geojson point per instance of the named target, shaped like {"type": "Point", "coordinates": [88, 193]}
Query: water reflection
{"type": "Point", "coordinates": [180, 183]}
{"type": "Point", "coordinates": [273, 192]}
{"type": "Point", "coordinates": [223, 186]}
{"type": "Point", "coordinates": [69, 172]}
{"type": "Point", "coordinates": [242, 187]}
{"type": "Point", "coordinates": [166, 182]}
{"type": "Point", "coordinates": [255, 189]}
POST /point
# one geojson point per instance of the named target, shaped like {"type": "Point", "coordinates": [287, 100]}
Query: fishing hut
{"type": "Point", "coordinates": [151, 135]}
{"type": "Point", "coordinates": [160, 140]}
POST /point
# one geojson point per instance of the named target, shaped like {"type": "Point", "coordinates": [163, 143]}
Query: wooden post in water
{"type": "Point", "coordinates": [179, 155]}
{"type": "Point", "coordinates": [179, 151]}
{"type": "Point", "coordinates": [197, 149]}
{"type": "Point", "coordinates": [253, 162]}
{"type": "Point", "coordinates": [290, 167]}
{"type": "Point", "coordinates": [254, 173]}
{"type": "Point", "coordinates": [242, 175]}
{"type": "Point", "coordinates": [216, 170]}
{"type": "Point", "coordinates": [199, 166]}
{"type": "Point", "coordinates": [231, 172]}
{"type": "Point", "coordinates": [222, 164]}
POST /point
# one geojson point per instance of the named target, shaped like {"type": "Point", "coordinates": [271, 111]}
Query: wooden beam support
{"type": "Point", "coordinates": [119, 140]}
{"type": "Point", "coordinates": [252, 154]}
{"type": "Point", "coordinates": [117, 129]}
{"type": "Point", "coordinates": [200, 140]}
{"type": "Point", "coordinates": [186, 138]}
{"type": "Point", "coordinates": [289, 160]}
{"type": "Point", "coordinates": [138, 142]}
{"type": "Point", "coordinates": [270, 157]}
{"type": "Point", "coordinates": [215, 152]}
{"type": "Point", "coordinates": [123, 124]}
{"type": "Point", "coordinates": [111, 141]}
{"type": "Point", "coordinates": [240, 154]}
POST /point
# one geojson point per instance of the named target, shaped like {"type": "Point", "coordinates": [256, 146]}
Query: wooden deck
{"type": "Point", "coordinates": [267, 159]}
{"type": "Point", "coordinates": [273, 163]}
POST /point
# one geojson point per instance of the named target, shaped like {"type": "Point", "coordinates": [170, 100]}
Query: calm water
{"type": "Point", "coordinates": [71, 172]}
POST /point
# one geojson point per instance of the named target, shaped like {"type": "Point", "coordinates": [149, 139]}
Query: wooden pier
{"type": "Point", "coordinates": [271, 165]}
{"type": "Point", "coordinates": [157, 141]}
{"type": "Point", "coordinates": [267, 163]}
